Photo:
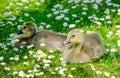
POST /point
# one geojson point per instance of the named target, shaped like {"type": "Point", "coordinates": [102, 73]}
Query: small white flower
{"type": "Point", "coordinates": [19, 27]}
{"type": "Point", "coordinates": [118, 13]}
{"type": "Point", "coordinates": [107, 74]}
{"type": "Point", "coordinates": [35, 56]}
{"type": "Point", "coordinates": [21, 74]}
{"type": "Point", "coordinates": [63, 63]}
{"type": "Point", "coordinates": [41, 27]}
{"type": "Point", "coordinates": [98, 23]}
{"type": "Point", "coordinates": [84, 8]}
{"type": "Point", "coordinates": [98, 72]}
{"type": "Point", "coordinates": [26, 14]}
{"type": "Point", "coordinates": [62, 59]}
{"type": "Point", "coordinates": [49, 15]}
{"type": "Point", "coordinates": [77, 1]}
{"type": "Point", "coordinates": [56, 12]}
{"type": "Point", "coordinates": [46, 66]}
{"type": "Point", "coordinates": [73, 7]}
{"type": "Point", "coordinates": [84, 13]}
{"type": "Point", "coordinates": [77, 21]}
{"type": "Point", "coordinates": [66, 18]}
{"type": "Point", "coordinates": [113, 10]}
{"type": "Point", "coordinates": [113, 77]}
{"type": "Point", "coordinates": [110, 32]}
{"type": "Point", "coordinates": [42, 0]}
{"type": "Point", "coordinates": [43, 23]}
{"type": "Point", "coordinates": [113, 50]}
{"type": "Point", "coordinates": [117, 26]}
{"type": "Point", "coordinates": [95, 6]}
{"type": "Point", "coordinates": [15, 41]}
{"type": "Point", "coordinates": [16, 49]}
{"type": "Point", "coordinates": [53, 72]}
{"type": "Point", "coordinates": [72, 25]}
{"type": "Point", "coordinates": [48, 26]}
{"type": "Point", "coordinates": [35, 70]}
{"type": "Point", "coordinates": [42, 44]}
{"type": "Point", "coordinates": [7, 7]}
{"type": "Point", "coordinates": [21, 20]}
{"type": "Point", "coordinates": [109, 22]}
{"type": "Point", "coordinates": [74, 15]}
{"type": "Point", "coordinates": [37, 66]}
{"type": "Point", "coordinates": [118, 10]}
{"type": "Point", "coordinates": [57, 68]}
{"type": "Point", "coordinates": [40, 55]}
{"type": "Point", "coordinates": [30, 71]}
{"type": "Point", "coordinates": [1, 58]}
{"type": "Point", "coordinates": [102, 19]}
{"type": "Point", "coordinates": [11, 58]}
{"type": "Point", "coordinates": [39, 74]}
{"type": "Point", "coordinates": [8, 13]}
{"type": "Point", "coordinates": [12, 35]}
{"type": "Point", "coordinates": [31, 52]}
{"type": "Point", "coordinates": [7, 68]}
{"type": "Point", "coordinates": [118, 33]}
{"type": "Point", "coordinates": [30, 46]}
{"type": "Point", "coordinates": [31, 75]}
{"type": "Point", "coordinates": [51, 51]}
{"type": "Point", "coordinates": [61, 71]}
{"type": "Point", "coordinates": [24, 0]}
{"type": "Point", "coordinates": [40, 52]}
{"type": "Point", "coordinates": [46, 61]}
{"type": "Point", "coordinates": [25, 63]}
{"type": "Point", "coordinates": [73, 69]}
{"type": "Point", "coordinates": [65, 24]}
{"type": "Point", "coordinates": [59, 17]}
{"type": "Point", "coordinates": [26, 7]}
{"type": "Point", "coordinates": [5, 48]}
{"type": "Point", "coordinates": [70, 76]}
{"type": "Point", "coordinates": [28, 76]}
{"type": "Point", "coordinates": [3, 63]}
{"type": "Point", "coordinates": [50, 56]}
{"type": "Point", "coordinates": [92, 67]}
{"type": "Point", "coordinates": [37, 3]}
{"type": "Point", "coordinates": [66, 10]}
{"type": "Point", "coordinates": [17, 57]}
{"type": "Point", "coordinates": [98, 1]}
{"type": "Point", "coordinates": [90, 32]}
{"type": "Point", "coordinates": [118, 43]}
{"type": "Point", "coordinates": [15, 72]}
{"type": "Point", "coordinates": [25, 57]}
{"type": "Point", "coordinates": [108, 17]}
{"type": "Point", "coordinates": [107, 11]}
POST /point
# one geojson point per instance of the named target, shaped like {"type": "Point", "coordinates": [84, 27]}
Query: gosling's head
{"type": "Point", "coordinates": [28, 29]}
{"type": "Point", "coordinates": [75, 37]}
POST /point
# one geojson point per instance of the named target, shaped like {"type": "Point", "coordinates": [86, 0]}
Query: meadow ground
{"type": "Point", "coordinates": [101, 16]}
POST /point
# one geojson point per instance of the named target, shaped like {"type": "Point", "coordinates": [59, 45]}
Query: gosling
{"type": "Point", "coordinates": [31, 36]}
{"type": "Point", "coordinates": [80, 48]}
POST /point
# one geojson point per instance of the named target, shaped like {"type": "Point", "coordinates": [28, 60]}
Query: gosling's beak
{"type": "Point", "coordinates": [66, 41]}
{"type": "Point", "coordinates": [20, 32]}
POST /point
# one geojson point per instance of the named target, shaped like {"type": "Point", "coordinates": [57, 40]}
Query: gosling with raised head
{"type": "Point", "coordinates": [80, 48]}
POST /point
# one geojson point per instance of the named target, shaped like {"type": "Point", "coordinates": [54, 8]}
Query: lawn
{"type": "Point", "coordinates": [102, 16]}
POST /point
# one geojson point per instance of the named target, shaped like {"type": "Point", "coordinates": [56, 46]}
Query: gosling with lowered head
{"type": "Point", "coordinates": [31, 36]}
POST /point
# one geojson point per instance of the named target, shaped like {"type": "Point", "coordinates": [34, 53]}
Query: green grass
{"type": "Point", "coordinates": [17, 9]}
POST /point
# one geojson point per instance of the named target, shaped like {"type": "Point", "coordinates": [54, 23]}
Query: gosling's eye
{"type": "Point", "coordinates": [24, 27]}
{"type": "Point", "coordinates": [73, 35]}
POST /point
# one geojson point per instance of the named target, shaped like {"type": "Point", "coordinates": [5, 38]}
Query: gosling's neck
{"type": "Point", "coordinates": [77, 48]}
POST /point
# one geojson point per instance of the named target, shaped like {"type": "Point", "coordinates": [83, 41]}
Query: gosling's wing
{"type": "Point", "coordinates": [93, 45]}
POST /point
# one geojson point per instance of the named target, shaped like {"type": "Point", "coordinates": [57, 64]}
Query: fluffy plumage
{"type": "Point", "coordinates": [80, 48]}
{"type": "Point", "coordinates": [30, 35]}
